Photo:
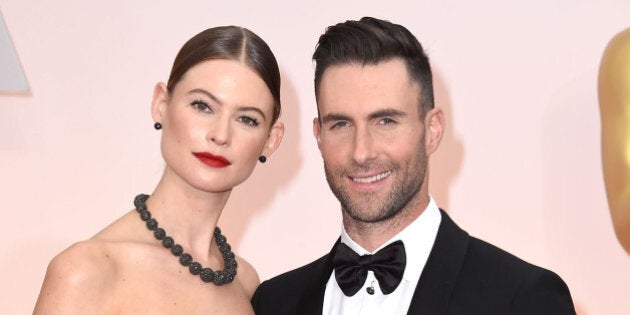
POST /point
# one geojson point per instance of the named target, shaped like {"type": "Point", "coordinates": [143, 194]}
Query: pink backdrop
{"type": "Point", "coordinates": [519, 167]}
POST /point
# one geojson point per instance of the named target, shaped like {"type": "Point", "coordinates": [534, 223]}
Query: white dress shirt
{"type": "Point", "coordinates": [418, 238]}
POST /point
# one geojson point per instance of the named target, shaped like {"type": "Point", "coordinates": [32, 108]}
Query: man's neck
{"type": "Point", "coordinates": [372, 235]}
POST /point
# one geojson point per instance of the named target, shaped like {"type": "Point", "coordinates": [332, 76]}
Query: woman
{"type": "Point", "coordinates": [218, 118]}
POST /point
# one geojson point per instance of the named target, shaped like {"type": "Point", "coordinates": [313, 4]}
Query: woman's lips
{"type": "Point", "coordinates": [211, 159]}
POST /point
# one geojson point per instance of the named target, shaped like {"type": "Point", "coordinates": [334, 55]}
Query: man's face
{"type": "Point", "coordinates": [372, 138]}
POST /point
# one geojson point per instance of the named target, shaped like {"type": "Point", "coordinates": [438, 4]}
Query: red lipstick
{"type": "Point", "coordinates": [211, 159]}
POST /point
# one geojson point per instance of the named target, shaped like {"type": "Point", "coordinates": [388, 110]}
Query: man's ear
{"type": "Point", "coordinates": [434, 129]}
{"type": "Point", "coordinates": [317, 132]}
{"type": "Point", "coordinates": [275, 137]}
{"type": "Point", "coordinates": [159, 102]}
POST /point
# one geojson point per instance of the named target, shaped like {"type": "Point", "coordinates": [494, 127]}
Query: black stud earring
{"type": "Point", "coordinates": [262, 159]}
{"type": "Point", "coordinates": [157, 126]}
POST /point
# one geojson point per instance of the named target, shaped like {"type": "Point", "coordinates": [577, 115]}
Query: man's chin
{"type": "Point", "coordinates": [369, 216]}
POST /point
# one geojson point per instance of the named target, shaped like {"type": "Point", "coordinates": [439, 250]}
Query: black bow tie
{"type": "Point", "coordinates": [388, 265]}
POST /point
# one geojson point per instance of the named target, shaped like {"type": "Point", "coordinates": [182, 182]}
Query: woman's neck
{"type": "Point", "coordinates": [188, 215]}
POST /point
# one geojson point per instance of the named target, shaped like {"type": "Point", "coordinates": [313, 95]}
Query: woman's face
{"type": "Point", "coordinates": [216, 123]}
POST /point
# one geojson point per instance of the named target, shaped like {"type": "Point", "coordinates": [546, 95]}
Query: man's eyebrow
{"type": "Point", "coordinates": [334, 117]}
{"type": "Point", "coordinates": [388, 112]}
{"type": "Point", "coordinates": [208, 94]}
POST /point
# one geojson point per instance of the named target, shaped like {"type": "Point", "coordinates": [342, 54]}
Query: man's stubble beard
{"type": "Point", "coordinates": [404, 190]}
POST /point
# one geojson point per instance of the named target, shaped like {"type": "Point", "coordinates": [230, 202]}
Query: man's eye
{"type": "Point", "coordinates": [386, 121]}
{"type": "Point", "coordinates": [339, 124]}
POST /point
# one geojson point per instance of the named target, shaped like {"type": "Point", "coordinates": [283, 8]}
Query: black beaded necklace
{"type": "Point", "coordinates": [220, 277]}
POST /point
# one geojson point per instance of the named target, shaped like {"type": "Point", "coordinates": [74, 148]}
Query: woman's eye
{"type": "Point", "coordinates": [201, 106]}
{"type": "Point", "coordinates": [249, 121]}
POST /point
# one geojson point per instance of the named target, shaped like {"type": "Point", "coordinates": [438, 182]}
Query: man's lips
{"type": "Point", "coordinates": [211, 159]}
{"type": "Point", "coordinates": [371, 179]}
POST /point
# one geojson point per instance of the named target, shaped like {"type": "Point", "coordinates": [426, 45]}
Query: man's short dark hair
{"type": "Point", "coordinates": [370, 41]}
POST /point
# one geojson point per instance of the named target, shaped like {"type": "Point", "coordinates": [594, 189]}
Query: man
{"type": "Point", "coordinates": [398, 252]}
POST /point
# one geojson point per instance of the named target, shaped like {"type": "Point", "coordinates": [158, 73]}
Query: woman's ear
{"type": "Point", "coordinates": [434, 129]}
{"type": "Point", "coordinates": [275, 137]}
{"type": "Point", "coordinates": [159, 102]}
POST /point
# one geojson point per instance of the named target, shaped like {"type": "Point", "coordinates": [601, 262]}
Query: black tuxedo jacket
{"type": "Point", "coordinates": [463, 275]}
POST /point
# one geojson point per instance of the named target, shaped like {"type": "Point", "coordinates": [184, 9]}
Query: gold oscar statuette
{"type": "Point", "coordinates": [614, 105]}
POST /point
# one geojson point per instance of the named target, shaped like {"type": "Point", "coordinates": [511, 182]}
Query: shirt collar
{"type": "Point", "coordinates": [418, 238]}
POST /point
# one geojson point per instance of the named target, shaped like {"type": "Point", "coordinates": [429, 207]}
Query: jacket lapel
{"type": "Point", "coordinates": [312, 301]}
{"type": "Point", "coordinates": [440, 273]}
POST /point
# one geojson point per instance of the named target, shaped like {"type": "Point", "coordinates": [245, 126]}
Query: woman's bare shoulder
{"type": "Point", "coordinates": [248, 276]}
{"type": "Point", "coordinates": [76, 279]}
{"type": "Point", "coordinates": [85, 274]}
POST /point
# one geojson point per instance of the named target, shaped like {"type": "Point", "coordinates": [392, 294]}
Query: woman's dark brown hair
{"type": "Point", "coordinates": [233, 43]}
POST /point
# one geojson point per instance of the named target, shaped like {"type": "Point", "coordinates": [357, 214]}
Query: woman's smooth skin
{"type": "Point", "coordinates": [614, 103]}
{"type": "Point", "coordinates": [221, 107]}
